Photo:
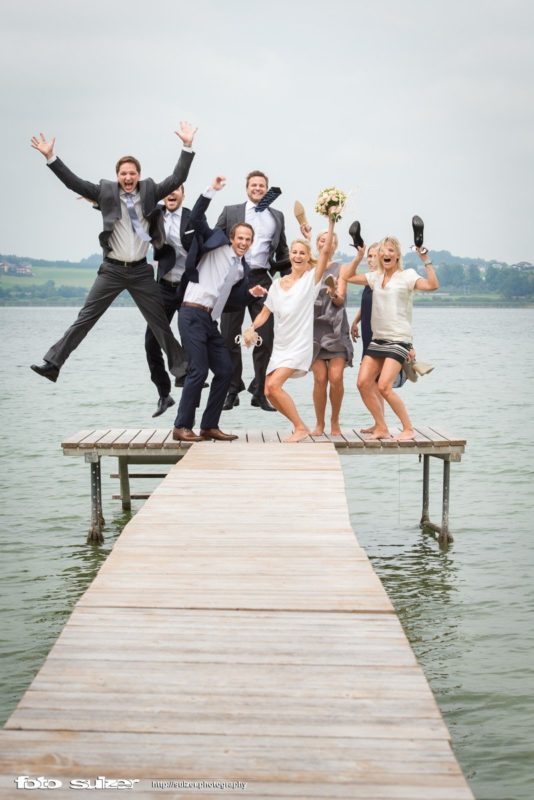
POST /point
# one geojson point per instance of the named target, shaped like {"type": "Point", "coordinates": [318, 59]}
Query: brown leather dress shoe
{"type": "Point", "coordinates": [218, 435]}
{"type": "Point", "coordinates": [185, 435]}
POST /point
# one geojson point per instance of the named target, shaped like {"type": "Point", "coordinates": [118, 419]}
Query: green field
{"type": "Point", "coordinates": [62, 276]}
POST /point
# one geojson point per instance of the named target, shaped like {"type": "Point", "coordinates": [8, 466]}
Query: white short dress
{"type": "Point", "coordinates": [292, 310]}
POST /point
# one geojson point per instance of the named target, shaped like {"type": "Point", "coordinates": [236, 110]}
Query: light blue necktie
{"type": "Point", "coordinates": [226, 288]}
{"type": "Point", "coordinates": [136, 224]}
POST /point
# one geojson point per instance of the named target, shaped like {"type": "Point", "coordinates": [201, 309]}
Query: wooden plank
{"type": "Point", "coordinates": [110, 437]}
{"type": "Point", "coordinates": [254, 437]}
{"type": "Point", "coordinates": [453, 440]}
{"type": "Point", "coordinates": [75, 440]}
{"type": "Point", "coordinates": [270, 436]}
{"type": "Point", "coordinates": [123, 441]}
{"type": "Point", "coordinates": [158, 438]}
{"type": "Point", "coordinates": [142, 438]}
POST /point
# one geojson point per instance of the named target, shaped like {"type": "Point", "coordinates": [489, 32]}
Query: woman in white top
{"type": "Point", "coordinates": [291, 300]}
{"type": "Point", "coordinates": [391, 323]}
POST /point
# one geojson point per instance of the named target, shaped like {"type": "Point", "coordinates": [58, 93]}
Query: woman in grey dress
{"type": "Point", "coordinates": [332, 346]}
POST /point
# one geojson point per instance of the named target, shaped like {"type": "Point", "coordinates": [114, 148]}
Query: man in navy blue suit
{"type": "Point", "coordinates": [216, 277]}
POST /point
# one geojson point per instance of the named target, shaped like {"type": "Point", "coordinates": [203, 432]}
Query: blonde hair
{"type": "Point", "coordinates": [396, 244]}
{"type": "Point", "coordinates": [335, 241]}
{"type": "Point", "coordinates": [307, 245]}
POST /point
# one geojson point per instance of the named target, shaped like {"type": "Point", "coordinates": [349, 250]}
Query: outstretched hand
{"type": "Point", "coordinates": [306, 230]}
{"type": "Point", "coordinates": [258, 291]}
{"type": "Point", "coordinates": [186, 133]}
{"type": "Point", "coordinates": [218, 183]}
{"type": "Point", "coordinates": [44, 147]}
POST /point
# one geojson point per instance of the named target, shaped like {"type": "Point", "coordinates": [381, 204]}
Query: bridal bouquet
{"type": "Point", "coordinates": [330, 203]}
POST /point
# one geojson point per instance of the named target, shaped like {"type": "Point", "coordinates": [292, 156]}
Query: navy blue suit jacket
{"type": "Point", "coordinates": [206, 239]}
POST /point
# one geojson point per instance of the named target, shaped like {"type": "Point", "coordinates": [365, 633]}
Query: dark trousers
{"type": "Point", "coordinates": [154, 356]}
{"type": "Point", "coordinates": [205, 349]}
{"type": "Point", "coordinates": [231, 326]}
{"type": "Point", "coordinates": [111, 280]}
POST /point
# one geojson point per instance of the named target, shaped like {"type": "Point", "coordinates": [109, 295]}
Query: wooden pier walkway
{"type": "Point", "coordinates": [156, 446]}
{"type": "Point", "coordinates": [236, 633]}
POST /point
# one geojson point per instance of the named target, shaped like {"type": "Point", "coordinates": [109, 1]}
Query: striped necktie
{"type": "Point", "coordinates": [226, 288]}
{"type": "Point", "coordinates": [268, 198]}
{"type": "Point", "coordinates": [136, 224]}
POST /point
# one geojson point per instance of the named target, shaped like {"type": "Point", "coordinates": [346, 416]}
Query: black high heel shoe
{"type": "Point", "coordinates": [418, 231]}
{"type": "Point", "coordinates": [355, 234]}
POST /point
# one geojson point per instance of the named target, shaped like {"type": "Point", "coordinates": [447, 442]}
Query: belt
{"type": "Point", "coordinates": [172, 284]}
{"type": "Point", "coordinates": [125, 263]}
{"type": "Point", "coordinates": [197, 305]}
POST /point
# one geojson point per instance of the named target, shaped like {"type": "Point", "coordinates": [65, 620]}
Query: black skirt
{"type": "Point", "coordinates": [382, 348]}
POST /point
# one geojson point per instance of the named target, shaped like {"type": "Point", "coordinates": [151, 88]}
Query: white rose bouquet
{"type": "Point", "coordinates": [330, 203]}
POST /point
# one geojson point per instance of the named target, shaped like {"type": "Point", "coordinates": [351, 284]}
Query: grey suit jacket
{"type": "Point", "coordinates": [106, 195]}
{"type": "Point", "coordinates": [278, 251]}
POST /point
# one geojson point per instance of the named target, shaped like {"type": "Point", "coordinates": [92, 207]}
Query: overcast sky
{"type": "Point", "coordinates": [420, 106]}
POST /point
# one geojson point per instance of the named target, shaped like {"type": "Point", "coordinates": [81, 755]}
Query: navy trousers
{"type": "Point", "coordinates": [205, 350]}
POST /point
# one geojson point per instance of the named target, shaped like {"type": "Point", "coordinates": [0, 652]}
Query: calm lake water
{"type": "Point", "coordinates": [467, 611]}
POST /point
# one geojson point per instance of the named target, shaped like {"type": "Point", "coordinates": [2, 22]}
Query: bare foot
{"type": "Point", "coordinates": [379, 433]}
{"type": "Point", "coordinates": [318, 431]}
{"type": "Point", "coordinates": [405, 436]}
{"type": "Point", "coordinates": [368, 430]}
{"type": "Point", "coordinates": [298, 435]}
{"type": "Point", "coordinates": [335, 430]}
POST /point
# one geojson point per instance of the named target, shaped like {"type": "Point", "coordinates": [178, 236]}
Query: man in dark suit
{"type": "Point", "coordinates": [268, 253]}
{"type": "Point", "coordinates": [178, 235]}
{"type": "Point", "coordinates": [129, 211]}
{"type": "Point", "coordinates": [216, 277]}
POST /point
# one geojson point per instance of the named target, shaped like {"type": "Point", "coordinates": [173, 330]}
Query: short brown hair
{"type": "Point", "coordinates": [240, 225]}
{"type": "Point", "coordinates": [256, 173]}
{"type": "Point", "coordinates": [127, 160]}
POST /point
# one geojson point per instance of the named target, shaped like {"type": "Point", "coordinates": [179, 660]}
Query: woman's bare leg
{"type": "Point", "coordinates": [336, 368]}
{"type": "Point", "coordinates": [283, 403]}
{"type": "Point", "coordinates": [370, 368]}
{"type": "Point", "coordinates": [320, 381]}
{"type": "Point", "coordinates": [389, 372]}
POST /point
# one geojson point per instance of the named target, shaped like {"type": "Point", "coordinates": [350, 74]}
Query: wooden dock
{"type": "Point", "coordinates": [156, 446]}
{"type": "Point", "coordinates": [237, 634]}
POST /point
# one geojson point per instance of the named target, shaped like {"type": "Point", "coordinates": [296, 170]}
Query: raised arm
{"type": "Point", "coordinates": [430, 283]}
{"type": "Point", "coordinates": [186, 133]}
{"type": "Point", "coordinates": [348, 273]}
{"type": "Point", "coordinates": [198, 220]}
{"type": "Point", "coordinates": [87, 189]}
{"type": "Point", "coordinates": [322, 261]}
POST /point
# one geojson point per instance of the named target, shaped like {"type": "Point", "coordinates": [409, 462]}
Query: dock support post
{"type": "Point", "coordinates": [426, 495]}
{"type": "Point", "coordinates": [97, 518]}
{"type": "Point", "coordinates": [444, 535]}
{"type": "Point", "coordinates": [125, 483]}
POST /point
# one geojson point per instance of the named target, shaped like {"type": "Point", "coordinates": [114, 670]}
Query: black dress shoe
{"type": "Point", "coordinates": [260, 401]}
{"type": "Point", "coordinates": [217, 435]}
{"type": "Point", "coordinates": [163, 404]}
{"type": "Point", "coordinates": [185, 435]}
{"type": "Point", "coordinates": [418, 231]}
{"type": "Point", "coordinates": [47, 370]}
{"type": "Point", "coordinates": [232, 399]}
{"type": "Point", "coordinates": [355, 234]}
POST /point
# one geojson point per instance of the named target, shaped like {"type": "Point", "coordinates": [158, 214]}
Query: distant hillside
{"type": "Point", "coordinates": [90, 262]}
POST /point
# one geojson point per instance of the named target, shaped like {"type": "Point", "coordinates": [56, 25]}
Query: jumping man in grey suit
{"type": "Point", "coordinates": [268, 253]}
{"type": "Point", "coordinates": [129, 211]}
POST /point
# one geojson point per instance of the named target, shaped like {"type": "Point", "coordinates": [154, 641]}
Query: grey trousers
{"type": "Point", "coordinates": [111, 280]}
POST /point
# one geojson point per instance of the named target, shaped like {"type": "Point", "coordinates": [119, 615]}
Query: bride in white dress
{"type": "Point", "coordinates": [291, 301]}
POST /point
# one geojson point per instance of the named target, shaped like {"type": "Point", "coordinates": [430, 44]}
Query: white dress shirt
{"type": "Point", "coordinates": [124, 243]}
{"type": "Point", "coordinates": [264, 229]}
{"type": "Point", "coordinates": [172, 221]}
{"type": "Point", "coordinates": [212, 271]}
